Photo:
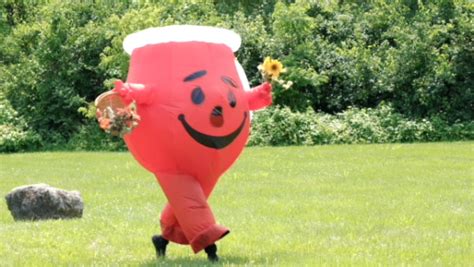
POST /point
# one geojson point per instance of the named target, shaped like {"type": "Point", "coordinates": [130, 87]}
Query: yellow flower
{"type": "Point", "coordinates": [272, 68]}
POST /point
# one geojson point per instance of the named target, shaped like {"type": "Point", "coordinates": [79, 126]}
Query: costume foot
{"type": "Point", "coordinates": [211, 251]}
{"type": "Point", "coordinates": [160, 245]}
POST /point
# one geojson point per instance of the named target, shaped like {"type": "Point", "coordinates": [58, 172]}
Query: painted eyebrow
{"type": "Point", "coordinates": [229, 81]}
{"type": "Point", "coordinates": [195, 75]}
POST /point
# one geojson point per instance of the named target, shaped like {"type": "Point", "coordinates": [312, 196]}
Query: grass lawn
{"type": "Point", "coordinates": [291, 206]}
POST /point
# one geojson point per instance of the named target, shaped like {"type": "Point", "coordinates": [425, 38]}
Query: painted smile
{"type": "Point", "coordinates": [216, 142]}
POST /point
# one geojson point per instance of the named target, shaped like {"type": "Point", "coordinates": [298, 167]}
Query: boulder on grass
{"type": "Point", "coordinates": [42, 202]}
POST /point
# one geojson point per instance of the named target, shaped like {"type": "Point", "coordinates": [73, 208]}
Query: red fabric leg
{"type": "Point", "coordinates": [193, 215]}
{"type": "Point", "coordinates": [170, 228]}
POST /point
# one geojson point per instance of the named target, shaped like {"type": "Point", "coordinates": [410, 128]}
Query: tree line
{"type": "Point", "coordinates": [415, 56]}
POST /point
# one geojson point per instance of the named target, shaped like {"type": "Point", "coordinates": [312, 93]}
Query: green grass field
{"type": "Point", "coordinates": [290, 206]}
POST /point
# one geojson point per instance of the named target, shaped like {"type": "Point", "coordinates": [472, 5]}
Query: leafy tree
{"type": "Point", "coordinates": [417, 56]}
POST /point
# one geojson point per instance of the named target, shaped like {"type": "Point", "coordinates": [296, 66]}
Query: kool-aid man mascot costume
{"type": "Point", "coordinates": [193, 100]}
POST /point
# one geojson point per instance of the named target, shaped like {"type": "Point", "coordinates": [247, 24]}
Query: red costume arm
{"type": "Point", "coordinates": [259, 97]}
{"type": "Point", "coordinates": [141, 93]}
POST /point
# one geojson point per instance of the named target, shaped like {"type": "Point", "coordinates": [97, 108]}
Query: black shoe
{"type": "Point", "coordinates": [160, 245]}
{"type": "Point", "coordinates": [211, 251]}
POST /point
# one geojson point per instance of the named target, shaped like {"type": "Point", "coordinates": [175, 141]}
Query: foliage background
{"type": "Point", "coordinates": [363, 71]}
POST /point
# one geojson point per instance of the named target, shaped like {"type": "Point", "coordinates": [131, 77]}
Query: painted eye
{"type": "Point", "coordinates": [231, 99]}
{"type": "Point", "coordinates": [197, 96]}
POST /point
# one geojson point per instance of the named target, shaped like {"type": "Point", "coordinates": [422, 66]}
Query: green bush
{"type": "Point", "coordinates": [281, 126]}
{"type": "Point", "coordinates": [417, 55]}
{"type": "Point", "coordinates": [344, 58]}
{"type": "Point", "coordinates": [91, 138]}
{"type": "Point", "coordinates": [14, 139]}
{"type": "Point", "coordinates": [14, 133]}
{"type": "Point", "coordinates": [53, 66]}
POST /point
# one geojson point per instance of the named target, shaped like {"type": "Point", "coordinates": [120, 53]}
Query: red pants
{"type": "Point", "coordinates": [187, 218]}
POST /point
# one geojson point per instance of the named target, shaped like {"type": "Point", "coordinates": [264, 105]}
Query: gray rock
{"type": "Point", "coordinates": [41, 202]}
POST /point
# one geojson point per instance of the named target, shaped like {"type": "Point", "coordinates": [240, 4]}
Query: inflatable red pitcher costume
{"type": "Point", "coordinates": [193, 100]}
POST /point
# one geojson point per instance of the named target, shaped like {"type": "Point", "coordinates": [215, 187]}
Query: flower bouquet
{"type": "Point", "coordinates": [114, 116]}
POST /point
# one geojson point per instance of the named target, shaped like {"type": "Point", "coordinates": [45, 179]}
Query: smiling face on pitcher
{"type": "Point", "coordinates": [216, 100]}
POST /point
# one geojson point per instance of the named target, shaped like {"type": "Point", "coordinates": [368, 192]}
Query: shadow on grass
{"type": "Point", "coordinates": [225, 260]}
